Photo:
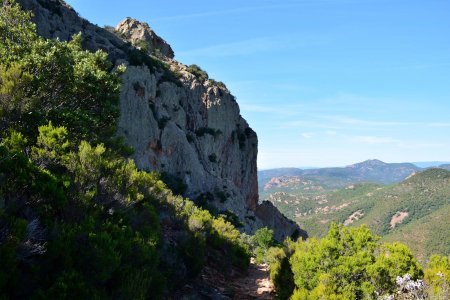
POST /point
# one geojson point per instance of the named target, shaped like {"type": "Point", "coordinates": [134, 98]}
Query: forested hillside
{"type": "Point", "coordinates": [414, 211]}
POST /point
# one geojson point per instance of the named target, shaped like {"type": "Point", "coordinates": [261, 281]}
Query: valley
{"type": "Point", "coordinates": [411, 208]}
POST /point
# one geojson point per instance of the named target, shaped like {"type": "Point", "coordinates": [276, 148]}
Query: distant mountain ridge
{"type": "Point", "coordinates": [446, 166]}
{"type": "Point", "coordinates": [373, 170]}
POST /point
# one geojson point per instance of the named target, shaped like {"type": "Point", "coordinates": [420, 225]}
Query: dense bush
{"type": "Point", "coordinates": [280, 270]}
{"type": "Point", "coordinates": [262, 241]}
{"type": "Point", "coordinates": [45, 80]}
{"type": "Point", "coordinates": [349, 263]}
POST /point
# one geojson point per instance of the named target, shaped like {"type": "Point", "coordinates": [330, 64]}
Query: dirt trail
{"type": "Point", "coordinates": [256, 285]}
{"type": "Point", "coordinates": [213, 284]}
{"type": "Point", "coordinates": [253, 284]}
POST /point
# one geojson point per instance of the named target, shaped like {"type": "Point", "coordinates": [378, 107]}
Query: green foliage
{"type": "Point", "coordinates": [51, 145]}
{"type": "Point", "coordinates": [139, 57]}
{"type": "Point", "coordinates": [263, 240]}
{"type": "Point", "coordinates": [171, 76]}
{"type": "Point", "coordinates": [176, 184]}
{"type": "Point", "coordinates": [424, 197]}
{"type": "Point", "coordinates": [437, 276]}
{"type": "Point", "coordinates": [218, 83]}
{"type": "Point", "coordinates": [198, 72]}
{"type": "Point", "coordinates": [143, 45]}
{"type": "Point", "coordinates": [349, 263]}
{"type": "Point", "coordinates": [17, 33]}
{"type": "Point", "coordinates": [46, 80]}
{"type": "Point", "coordinates": [96, 239]}
{"type": "Point", "coordinates": [14, 141]}
{"type": "Point", "coordinates": [392, 260]}
{"type": "Point", "coordinates": [280, 271]}
{"type": "Point", "coordinates": [232, 218]}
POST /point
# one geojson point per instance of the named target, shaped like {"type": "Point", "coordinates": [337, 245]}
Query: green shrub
{"type": "Point", "coordinates": [263, 241]}
{"type": "Point", "coordinates": [143, 45]}
{"type": "Point", "coordinates": [280, 272]}
{"type": "Point", "coordinates": [437, 277]}
{"type": "Point", "coordinates": [198, 72]}
{"type": "Point", "coordinates": [349, 263]}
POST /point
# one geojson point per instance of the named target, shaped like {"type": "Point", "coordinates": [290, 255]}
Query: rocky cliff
{"type": "Point", "coordinates": [180, 122]}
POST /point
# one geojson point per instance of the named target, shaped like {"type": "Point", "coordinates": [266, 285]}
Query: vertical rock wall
{"type": "Point", "coordinates": [178, 121]}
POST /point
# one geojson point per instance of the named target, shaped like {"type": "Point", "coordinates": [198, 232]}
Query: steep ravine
{"type": "Point", "coordinates": [178, 121]}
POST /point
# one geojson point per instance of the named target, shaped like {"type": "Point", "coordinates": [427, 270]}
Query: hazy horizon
{"type": "Point", "coordinates": [323, 83]}
{"type": "Point", "coordinates": [420, 164]}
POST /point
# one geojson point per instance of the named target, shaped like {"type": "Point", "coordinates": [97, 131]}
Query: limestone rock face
{"type": "Point", "coordinates": [193, 131]}
{"type": "Point", "coordinates": [274, 219]}
{"type": "Point", "coordinates": [180, 124]}
{"type": "Point", "coordinates": [141, 35]}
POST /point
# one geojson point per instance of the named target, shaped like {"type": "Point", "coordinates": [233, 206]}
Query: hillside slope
{"type": "Point", "coordinates": [179, 121]}
{"type": "Point", "coordinates": [414, 211]}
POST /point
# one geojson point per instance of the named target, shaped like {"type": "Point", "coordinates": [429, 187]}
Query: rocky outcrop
{"type": "Point", "coordinates": [142, 36]}
{"type": "Point", "coordinates": [179, 122]}
{"type": "Point", "coordinates": [274, 219]}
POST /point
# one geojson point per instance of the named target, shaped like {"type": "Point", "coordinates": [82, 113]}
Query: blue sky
{"type": "Point", "coordinates": [322, 82]}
